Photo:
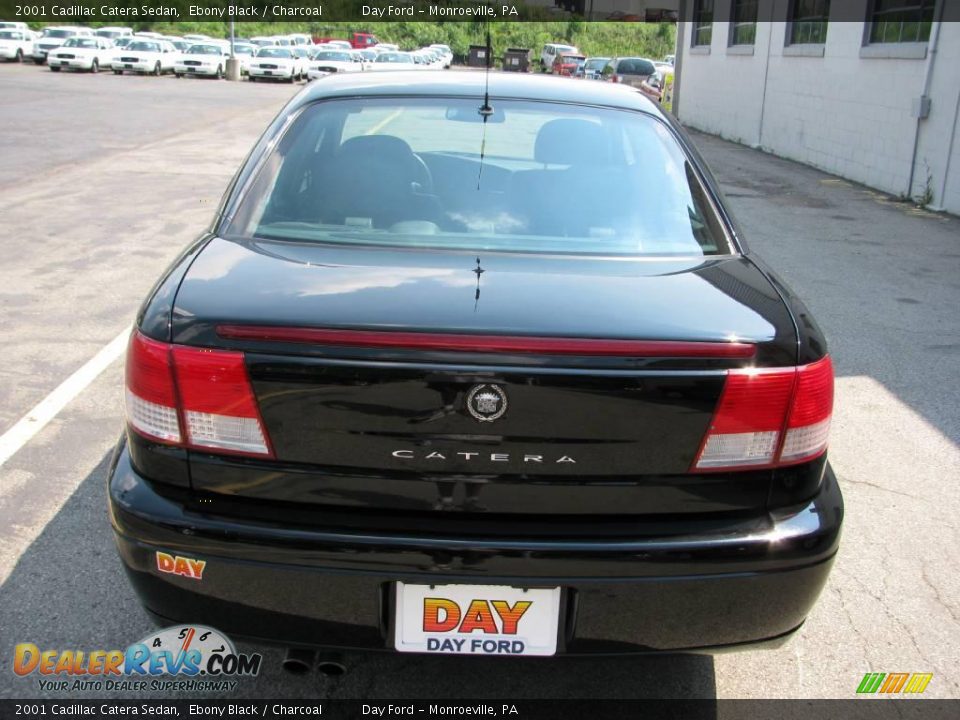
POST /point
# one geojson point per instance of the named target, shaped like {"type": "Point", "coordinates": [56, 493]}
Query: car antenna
{"type": "Point", "coordinates": [485, 110]}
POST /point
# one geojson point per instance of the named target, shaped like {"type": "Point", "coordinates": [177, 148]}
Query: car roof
{"type": "Point", "coordinates": [505, 85]}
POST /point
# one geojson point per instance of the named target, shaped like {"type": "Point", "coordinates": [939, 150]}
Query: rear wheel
{"type": "Point", "coordinates": [158, 69]}
{"type": "Point", "coordinates": [19, 57]}
{"type": "Point", "coordinates": [55, 68]}
{"type": "Point", "coordinates": [95, 66]}
{"type": "Point", "coordinates": [219, 75]}
{"type": "Point", "coordinates": [118, 72]}
{"type": "Point", "coordinates": [39, 61]}
{"type": "Point", "coordinates": [251, 78]}
{"type": "Point", "coordinates": [179, 75]}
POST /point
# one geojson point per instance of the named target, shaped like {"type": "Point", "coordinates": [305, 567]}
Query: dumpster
{"type": "Point", "coordinates": [477, 57]}
{"type": "Point", "coordinates": [516, 60]}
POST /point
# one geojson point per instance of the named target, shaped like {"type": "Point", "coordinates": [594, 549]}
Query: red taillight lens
{"type": "Point", "coordinates": [809, 423]}
{"type": "Point", "coordinates": [767, 418]}
{"type": "Point", "coordinates": [615, 78]}
{"type": "Point", "coordinates": [151, 399]}
{"type": "Point", "coordinates": [219, 408]}
{"type": "Point", "coordinates": [216, 399]}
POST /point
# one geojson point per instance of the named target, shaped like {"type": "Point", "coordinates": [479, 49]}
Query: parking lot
{"type": "Point", "coordinates": [103, 179]}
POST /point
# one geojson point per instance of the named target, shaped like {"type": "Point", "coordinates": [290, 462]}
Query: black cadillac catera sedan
{"type": "Point", "coordinates": [476, 369]}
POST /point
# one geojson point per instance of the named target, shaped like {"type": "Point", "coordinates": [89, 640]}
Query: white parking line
{"type": "Point", "coordinates": [386, 121]}
{"type": "Point", "coordinates": [44, 411]}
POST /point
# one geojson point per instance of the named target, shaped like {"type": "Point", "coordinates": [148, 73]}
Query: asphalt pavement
{"type": "Point", "coordinates": [103, 179]}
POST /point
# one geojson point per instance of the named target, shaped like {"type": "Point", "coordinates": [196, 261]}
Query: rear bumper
{"type": "Point", "coordinates": [752, 584]}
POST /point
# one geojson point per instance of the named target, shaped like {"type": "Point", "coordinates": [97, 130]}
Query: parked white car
{"type": "Point", "coordinates": [368, 56]}
{"type": "Point", "coordinates": [279, 63]}
{"type": "Point", "coordinates": [54, 37]}
{"type": "Point", "coordinates": [82, 53]}
{"type": "Point", "coordinates": [13, 25]}
{"type": "Point", "coordinates": [300, 39]}
{"type": "Point", "coordinates": [326, 62]}
{"type": "Point", "coordinates": [113, 33]}
{"type": "Point", "coordinates": [146, 55]}
{"type": "Point", "coordinates": [395, 60]}
{"type": "Point", "coordinates": [209, 59]}
{"type": "Point", "coordinates": [244, 52]}
{"type": "Point", "coordinates": [15, 44]}
{"type": "Point", "coordinates": [445, 53]}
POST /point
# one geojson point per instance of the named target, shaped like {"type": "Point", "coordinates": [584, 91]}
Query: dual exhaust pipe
{"type": "Point", "coordinates": [301, 662]}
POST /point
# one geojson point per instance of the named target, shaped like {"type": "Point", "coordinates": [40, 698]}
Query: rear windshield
{"type": "Point", "coordinates": [537, 178]}
{"type": "Point", "coordinates": [635, 66]}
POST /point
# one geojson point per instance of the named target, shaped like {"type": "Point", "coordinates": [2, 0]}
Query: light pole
{"type": "Point", "coordinates": [233, 65]}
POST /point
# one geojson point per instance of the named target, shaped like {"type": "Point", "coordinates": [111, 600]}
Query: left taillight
{"type": "Point", "coordinates": [193, 397]}
{"type": "Point", "coordinates": [151, 397]}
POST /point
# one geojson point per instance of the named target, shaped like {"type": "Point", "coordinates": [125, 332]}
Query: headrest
{"type": "Point", "coordinates": [569, 141]}
{"type": "Point", "coordinates": [379, 147]}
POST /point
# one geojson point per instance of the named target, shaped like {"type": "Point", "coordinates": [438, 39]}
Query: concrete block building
{"type": "Point", "coordinates": [866, 89]}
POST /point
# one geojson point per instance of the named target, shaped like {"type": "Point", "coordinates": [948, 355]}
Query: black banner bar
{"type": "Point", "coordinates": [138, 12]}
{"type": "Point", "coordinates": [854, 709]}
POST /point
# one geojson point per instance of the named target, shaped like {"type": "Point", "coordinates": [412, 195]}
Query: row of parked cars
{"type": "Point", "coordinates": [285, 57]}
{"type": "Point", "coordinates": [642, 73]}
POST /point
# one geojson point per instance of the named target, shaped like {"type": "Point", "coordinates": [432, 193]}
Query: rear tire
{"type": "Point", "coordinates": [219, 75]}
{"type": "Point", "coordinates": [39, 61]}
{"type": "Point", "coordinates": [118, 72]}
{"type": "Point", "coordinates": [55, 68]}
{"type": "Point", "coordinates": [95, 66]}
{"type": "Point", "coordinates": [178, 75]}
{"type": "Point", "coordinates": [157, 69]}
{"type": "Point", "coordinates": [19, 57]}
{"type": "Point", "coordinates": [251, 78]}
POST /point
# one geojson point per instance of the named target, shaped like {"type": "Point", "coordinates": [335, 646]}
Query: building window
{"type": "Point", "coordinates": [702, 22]}
{"type": "Point", "coordinates": [743, 22]}
{"type": "Point", "coordinates": [808, 21]}
{"type": "Point", "coordinates": [901, 21]}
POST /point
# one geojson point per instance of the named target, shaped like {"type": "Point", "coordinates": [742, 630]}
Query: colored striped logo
{"type": "Point", "coordinates": [892, 683]}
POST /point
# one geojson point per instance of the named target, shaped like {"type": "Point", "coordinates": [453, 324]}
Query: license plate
{"type": "Point", "coordinates": [476, 619]}
{"type": "Point", "coordinates": [64, 62]}
{"type": "Point", "coordinates": [128, 66]}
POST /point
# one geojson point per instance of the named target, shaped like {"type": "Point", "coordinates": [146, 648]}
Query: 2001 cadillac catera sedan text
{"type": "Point", "coordinates": [471, 372]}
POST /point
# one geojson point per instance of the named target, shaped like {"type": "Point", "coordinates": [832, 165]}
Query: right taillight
{"type": "Point", "coordinates": [769, 417]}
{"type": "Point", "coordinates": [193, 397]}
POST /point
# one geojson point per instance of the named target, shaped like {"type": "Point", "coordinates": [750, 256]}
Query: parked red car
{"type": "Point", "coordinates": [361, 40]}
{"type": "Point", "coordinates": [567, 64]}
